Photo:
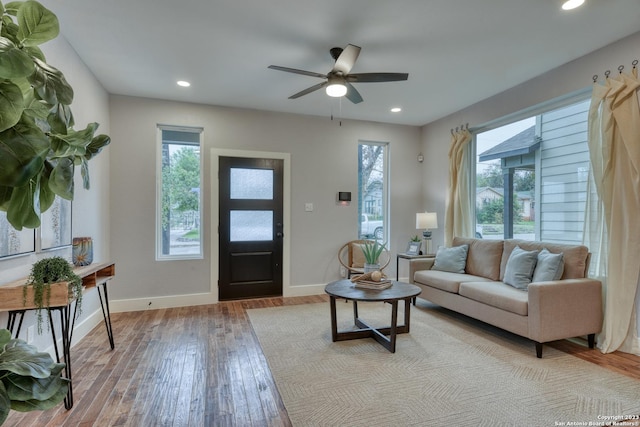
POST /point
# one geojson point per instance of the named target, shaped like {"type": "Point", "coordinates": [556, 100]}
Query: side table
{"type": "Point", "coordinates": [408, 257]}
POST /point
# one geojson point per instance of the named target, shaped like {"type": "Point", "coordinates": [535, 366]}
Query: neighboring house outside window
{"type": "Point", "coordinates": [541, 164]}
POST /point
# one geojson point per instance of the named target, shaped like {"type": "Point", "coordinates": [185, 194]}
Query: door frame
{"type": "Point", "coordinates": [216, 153]}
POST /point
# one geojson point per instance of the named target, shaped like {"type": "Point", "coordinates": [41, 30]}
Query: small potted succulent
{"type": "Point", "coordinates": [372, 251]}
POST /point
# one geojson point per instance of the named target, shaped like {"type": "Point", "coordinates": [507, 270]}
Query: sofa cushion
{"type": "Point", "coordinates": [451, 259]}
{"type": "Point", "coordinates": [549, 267]}
{"type": "Point", "coordinates": [576, 257]}
{"type": "Point", "coordinates": [520, 267]}
{"type": "Point", "coordinates": [497, 294]}
{"type": "Point", "coordinates": [444, 280]}
{"type": "Point", "coordinates": [484, 256]}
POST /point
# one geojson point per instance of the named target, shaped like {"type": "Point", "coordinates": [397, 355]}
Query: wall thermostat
{"type": "Point", "coordinates": [344, 196]}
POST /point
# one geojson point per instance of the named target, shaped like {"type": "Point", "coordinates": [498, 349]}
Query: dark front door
{"type": "Point", "coordinates": [250, 227]}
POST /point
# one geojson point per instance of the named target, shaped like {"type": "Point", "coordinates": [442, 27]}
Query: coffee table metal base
{"type": "Point", "coordinates": [386, 336]}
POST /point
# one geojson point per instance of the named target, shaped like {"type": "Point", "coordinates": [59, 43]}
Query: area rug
{"type": "Point", "coordinates": [448, 371]}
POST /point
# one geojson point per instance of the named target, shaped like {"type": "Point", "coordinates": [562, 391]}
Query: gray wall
{"type": "Point", "coordinates": [323, 162]}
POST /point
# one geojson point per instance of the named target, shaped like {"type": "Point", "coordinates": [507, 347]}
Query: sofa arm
{"type": "Point", "coordinates": [419, 264]}
{"type": "Point", "coordinates": [564, 308]}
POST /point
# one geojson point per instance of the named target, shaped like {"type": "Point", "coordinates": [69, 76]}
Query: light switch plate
{"type": "Point", "coordinates": [308, 207]}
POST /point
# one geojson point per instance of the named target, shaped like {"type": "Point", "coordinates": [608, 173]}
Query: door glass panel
{"type": "Point", "coordinates": [251, 184]}
{"type": "Point", "coordinates": [251, 226]}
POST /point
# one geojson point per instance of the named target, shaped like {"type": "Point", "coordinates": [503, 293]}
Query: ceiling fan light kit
{"type": "Point", "coordinates": [338, 81]}
{"type": "Point", "coordinates": [336, 87]}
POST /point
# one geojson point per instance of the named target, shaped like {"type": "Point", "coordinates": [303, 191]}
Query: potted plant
{"type": "Point", "coordinates": [39, 148]}
{"type": "Point", "coordinates": [46, 272]}
{"type": "Point", "coordinates": [372, 251]}
{"type": "Point", "coordinates": [29, 380]}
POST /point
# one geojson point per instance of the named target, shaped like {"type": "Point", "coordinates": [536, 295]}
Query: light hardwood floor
{"type": "Point", "coordinates": [196, 366]}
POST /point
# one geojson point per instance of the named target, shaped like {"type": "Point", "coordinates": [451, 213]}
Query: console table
{"type": "Point", "coordinates": [93, 276]}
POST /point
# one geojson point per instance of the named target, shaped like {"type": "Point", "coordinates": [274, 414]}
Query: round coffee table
{"type": "Point", "coordinates": [399, 291]}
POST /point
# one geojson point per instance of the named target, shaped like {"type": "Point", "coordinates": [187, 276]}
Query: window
{"type": "Point", "coordinates": [531, 177]}
{"type": "Point", "coordinates": [372, 190]}
{"type": "Point", "coordinates": [179, 203]}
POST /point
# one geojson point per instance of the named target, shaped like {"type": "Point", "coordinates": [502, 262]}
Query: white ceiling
{"type": "Point", "coordinates": [457, 52]}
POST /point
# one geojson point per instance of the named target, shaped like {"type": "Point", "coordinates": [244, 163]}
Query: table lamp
{"type": "Point", "coordinates": [427, 221]}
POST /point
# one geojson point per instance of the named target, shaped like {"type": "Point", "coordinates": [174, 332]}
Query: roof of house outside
{"type": "Point", "coordinates": [523, 143]}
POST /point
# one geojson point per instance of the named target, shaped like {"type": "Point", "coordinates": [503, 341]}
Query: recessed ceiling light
{"type": "Point", "coordinates": [572, 4]}
{"type": "Point", "coordinates": [396, 109]}
{"type": "Point", "coordinates": [183, 83]}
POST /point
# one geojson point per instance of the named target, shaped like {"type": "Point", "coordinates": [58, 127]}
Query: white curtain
{"type": "Point", "coordinates": [612, 230]}
{"type": "Point", "coordinates": [458, 219]}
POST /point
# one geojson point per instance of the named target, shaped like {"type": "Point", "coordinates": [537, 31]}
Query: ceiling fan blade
{"type": "Point", "coordinates": [296, 71]}
{"type": "Point", "coordinates": [376, 77]}
{"type": "Point", "coordinates": [347, 59]}
{"type": "Point", "coordinates": [352, 94]}
{"type": "Point", "coordinates": [308, 90]}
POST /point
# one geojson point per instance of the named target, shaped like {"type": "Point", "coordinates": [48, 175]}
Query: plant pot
{"type": "Point", "coordinates": [368, 268]}
{"type": "Point", "coordinates": [13, 297]}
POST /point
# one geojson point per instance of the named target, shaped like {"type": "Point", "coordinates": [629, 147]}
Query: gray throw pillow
{"type": "Point", "coordinates": [451, 259]}
{"type": "Point", "coordinates": [549, 267]}
{"type": "Point", "coordinates": [520, 267]}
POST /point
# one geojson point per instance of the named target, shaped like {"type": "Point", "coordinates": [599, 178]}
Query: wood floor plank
{"type": "Point", "coordinates": [197, 366]}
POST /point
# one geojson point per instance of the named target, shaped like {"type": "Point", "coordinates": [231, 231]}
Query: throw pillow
{"type": "Point", "coordinates": [357, 256]}
{"type": "Point", "coordinates": [520, 267]}
{"type": "Point", "coordinates": [549, 267]}
{"type": "Point", "coordinates": [451, 259]}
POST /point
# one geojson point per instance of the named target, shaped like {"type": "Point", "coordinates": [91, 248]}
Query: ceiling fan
{"type": "Point", "coordinates": [338, 80]}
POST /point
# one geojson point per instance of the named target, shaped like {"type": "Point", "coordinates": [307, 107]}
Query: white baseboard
{"type": "Point", "coordinates": [304, 291]}
{"type": "Point", "coordinates": [153, 303]}
{"type": "Point", "coordinates": [174, 301]}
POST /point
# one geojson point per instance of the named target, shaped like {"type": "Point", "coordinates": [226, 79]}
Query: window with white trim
{"type": "Point", "coordinates": [179, 200]}
{"type": "Point", "coordinates": [373, 161]}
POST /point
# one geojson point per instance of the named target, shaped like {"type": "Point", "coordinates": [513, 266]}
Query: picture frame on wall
{"type": "Point", "coordinates": [413, 248]}
{"type": "Point", "coordinates": [55, 227]}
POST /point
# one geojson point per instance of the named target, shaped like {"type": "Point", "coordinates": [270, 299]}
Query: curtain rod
{"type": "Point", "coordinates": [620, 68]}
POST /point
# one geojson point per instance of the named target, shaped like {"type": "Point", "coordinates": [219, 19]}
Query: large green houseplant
{"type": "Point", "coordinates": [29, 380]}
{"type": "Point", "coordinates": [39, 148]}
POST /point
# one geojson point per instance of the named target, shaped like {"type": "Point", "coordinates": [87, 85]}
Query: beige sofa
{"type": "Point", "coordinates": [546, 311]}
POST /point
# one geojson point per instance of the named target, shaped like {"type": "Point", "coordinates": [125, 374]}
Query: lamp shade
{"type": "Point", "coordinates": [426, 220]}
